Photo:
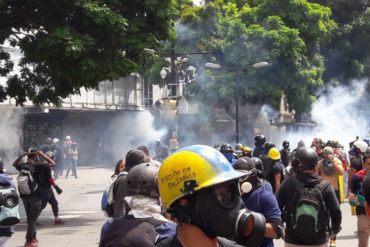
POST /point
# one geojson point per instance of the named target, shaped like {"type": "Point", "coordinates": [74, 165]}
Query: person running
{"type": "Point", "coordinates": [308, 204]}
{"type": "Point", "coordinates": [32, 200]}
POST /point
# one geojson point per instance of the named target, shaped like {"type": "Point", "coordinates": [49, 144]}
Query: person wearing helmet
{"type": "Point", "coordinates": [276, 174]}
{"type": "Point", "coordinates": [257, 198]}
{"type": "Point", "coordinates": [330, 168]}
{"type": "Point", "coordinates": [200, 190]}
{"type": "Point", "coordinates": [356, 198]}
{"type": "Point", "coordinates": [247, 152]}
{"type": "Point", "coordinates": [59, 158]}
{"type": "Point", "coordinates": [238, 150]}
{"type": "Point", "coordinates": [46, 146]}
{"type": "Point", "coordinates": [228, 152]}
{"type": "Point", "coordinates": [143, 225]}
{"type": "Point", "coordinates": [309, 229]}
{"type": "Point", "coordinates": [358, 150]}
{"type": "Point", "coordinates": [133, 158]}
{"type": "Point", "coordinates": [259, 142]}
{"type": "Point", "coordinates": [259, 166]}
{"type": "Point", "coordinates": [285, 153]}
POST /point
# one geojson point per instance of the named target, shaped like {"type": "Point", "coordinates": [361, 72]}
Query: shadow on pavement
{"type": "Point", "coordinates": [48, 223]}
{"type": "Point", "coordinates": [347, 237]}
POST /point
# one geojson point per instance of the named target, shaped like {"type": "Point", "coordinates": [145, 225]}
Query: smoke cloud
{"type": "Point", "coordinates": [11, 132]}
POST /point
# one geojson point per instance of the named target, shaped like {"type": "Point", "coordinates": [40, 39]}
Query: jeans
{"type": "Point", "coordinates": [32, 206]}
{"type": "Point", "coordinates": [48, 196]}
{"type": "Point", "coordinates": [72, 164]}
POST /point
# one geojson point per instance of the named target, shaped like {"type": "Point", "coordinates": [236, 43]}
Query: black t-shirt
{"type": "Point", "coordinates": [276, 168]}
{"type": "Point", "coordinates": [39, 171]}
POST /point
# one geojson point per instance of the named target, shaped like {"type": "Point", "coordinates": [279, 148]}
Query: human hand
{"type": "Point", "coordinates": [351, 197]}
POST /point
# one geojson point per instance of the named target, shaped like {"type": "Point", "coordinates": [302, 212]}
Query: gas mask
{"type": "Point", "coordinates": [219, 211]}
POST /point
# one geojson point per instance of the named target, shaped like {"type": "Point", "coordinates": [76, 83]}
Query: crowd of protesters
{"type": "Point", "coordinates": [214, 196]}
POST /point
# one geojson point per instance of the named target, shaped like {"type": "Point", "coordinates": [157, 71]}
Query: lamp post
{"type": "Point", "coordinates": [254, 66]}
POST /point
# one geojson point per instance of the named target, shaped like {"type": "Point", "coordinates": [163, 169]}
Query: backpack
{"type": "Point", "coordinates": [129, 231]}
{"type": "Point", "coordinates": [307, 214]}
{"type": "Point", "coordinates": [9, 203]}
{"type": "Point", "coordinates": [107, 200]}
{"type": "Point", "coordinates": [27, 185]}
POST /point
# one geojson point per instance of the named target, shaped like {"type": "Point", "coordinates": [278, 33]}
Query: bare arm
{"type": "Point", "coordinates": [337, 164]}
{"type": "Point", "coordinates": [19, 159]}
{"type": "Point", "coordinates": [277, 182]}
{"type": "Point", "coordinates": [270, 232]}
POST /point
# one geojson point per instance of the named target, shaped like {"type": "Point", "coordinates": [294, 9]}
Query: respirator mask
{"type": "Point", "coordinates": [219, 211]}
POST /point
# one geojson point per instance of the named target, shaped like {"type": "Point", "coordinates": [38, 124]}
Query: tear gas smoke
{"type": "Point", "coordinates": [11, 132]}
{"type": "Point", "coordinates": [340, 113]}
{"type": "Point", "coordinates": [132, 130]}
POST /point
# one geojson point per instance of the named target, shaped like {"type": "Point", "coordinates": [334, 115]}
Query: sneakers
{"type": "Point", "coordinates": [58, 222]}
{"type": "Point", "coordinates": [332, 243]}
{"type": "Point", "coordinates": [32, 244]}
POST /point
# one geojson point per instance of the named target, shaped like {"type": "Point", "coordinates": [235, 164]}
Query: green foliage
{"type": "Point", "coordinates": [286, 33]}
{"type": "Point", "coordinates": [74, 44]}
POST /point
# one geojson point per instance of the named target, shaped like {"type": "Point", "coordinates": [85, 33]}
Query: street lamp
{"type": "Point", "coordinates": [254, 66]}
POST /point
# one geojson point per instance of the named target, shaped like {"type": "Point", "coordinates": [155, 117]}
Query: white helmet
{"type": "Point", "coordinates": [68, 138]}
{"type": "Point", "coordinates": [361, 145]}
{"type": "Point", "coordinates": [55, 140]}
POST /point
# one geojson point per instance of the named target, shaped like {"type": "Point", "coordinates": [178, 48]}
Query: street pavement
{"type": "Point", "coordinates": [79, 206]}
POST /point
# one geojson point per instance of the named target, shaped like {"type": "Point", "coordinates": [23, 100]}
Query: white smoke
{"type": "Point", "coordinates": [340, 113]}
{"type": "Point", "coordinates": [343, 113]}
{"type": "Point", "coordinates": [11, 132]}
{"type": "Point", "coordinates": [133, 130]}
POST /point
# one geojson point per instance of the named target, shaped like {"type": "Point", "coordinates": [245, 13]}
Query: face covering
{"type": "Point", "coordinates": [228, 156]}
{"type": "Point", "coordinates": [217, 210]}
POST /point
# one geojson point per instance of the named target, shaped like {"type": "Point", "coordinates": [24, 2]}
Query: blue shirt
{"type": "Point", "coordinates": [264, 202]}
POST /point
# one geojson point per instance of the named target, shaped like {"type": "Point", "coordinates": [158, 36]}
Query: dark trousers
{"type": "Point", "coordinates": [32, 205]}
{"type": "Point", "coordinates": [48, 196]}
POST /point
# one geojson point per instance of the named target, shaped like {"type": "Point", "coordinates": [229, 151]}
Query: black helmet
{"type": "Point", "coordinates": [244, 163]}
{"type": "Point", "coordinates": [226, 147]}
{"type": "Point", "coordinates": [142, 180]}
{"type": "Point", "coordinates": [269, 145]}
{"type": "Point", "coordinates": [308, 157]}
{"type": "Point", "coordinates": [258, 163]}
{"type": "Point", "coordinates": [259, 140]}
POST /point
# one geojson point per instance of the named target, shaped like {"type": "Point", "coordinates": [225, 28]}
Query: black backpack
{"type": "Point", "coordinates": [131, 232]}
{"type": "Point", "coordinates": [306, 215]}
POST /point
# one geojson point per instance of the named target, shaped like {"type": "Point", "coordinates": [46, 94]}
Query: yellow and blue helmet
{"type": "Point", "coordinates": [191, 169]}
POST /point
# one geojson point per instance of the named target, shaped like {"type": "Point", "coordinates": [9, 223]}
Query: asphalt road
{"type": "Point", "coordinates": [80, 209]}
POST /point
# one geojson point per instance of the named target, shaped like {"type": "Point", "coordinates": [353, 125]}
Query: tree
{"type": "Point", "coordinates": [72, 44]}
{"type": "Point", "coordinates": [347, 55]}
{"type": "Point", "coordinates": [288, 34]}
